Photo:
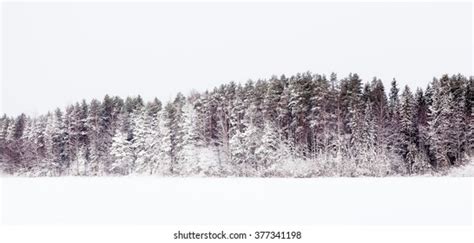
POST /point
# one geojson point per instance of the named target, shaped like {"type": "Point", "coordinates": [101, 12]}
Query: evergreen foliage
{"type": "Point", "coordinates": [305, 125]}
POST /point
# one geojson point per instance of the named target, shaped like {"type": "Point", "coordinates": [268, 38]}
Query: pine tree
{"type": "Point", "coordinates": [335, 126]}
{"type": "Point", "coordinates": [189, 162]}
{"type": "Point", "coordinates": [106, 131]}
{"type": "Point", "coordinates": [30, 147]}
{"type": "Point", "coordinates": [251, 141]}
{"type": "Point", "coordinates": [300, 88]}
{"type": "Point", "coordinates": [268, 151]}
{"type": "Point", "coordinates": [83, 126]}
{"type": "Point", "coordinates": [394, 130]}
{"type": "Point", "coordinates": [165, 165]}
{"type": "Point", "coordinates": [439, 123]}
{"type": "Point", "coordinates": [71, 123]}
{"type": "Point", "coordinates": [173, 121]}
{"type": "Point", "coordinates": [458, 129]}
{"type": "Point", "coordinates": [408, 127]}
{"type": "Point", "coordinates": [369, 159]}
{"type": "Point", "coordinates": [154, 116]}
{"type": "Point", "coordinates": [237, 113]}
{"type": "Point", "coordinates": [351, 92]}
{"type": "Point", "coordinates": [319, 116]}
{"type": "Point", "coordinates": [40, 140]}
{"type": "Point", "coordinates": [122, 149]}
{"type": "Point", "coordinates": [93, 121]}
{"type": "Point", "coordinates": [144, 140]}
{"type": "Point", "coordinates": [272, 97]}
{"type": "Point", "coordinates": [55, 141]}
{"type": "Point", "coordinates": [283, 111]}
{"type": "Point", "coordinates": [380, 109]}
{"type": "Point", "coordinates": [223, 113]}
{"type": "Point", "coordinates": [237, 148]}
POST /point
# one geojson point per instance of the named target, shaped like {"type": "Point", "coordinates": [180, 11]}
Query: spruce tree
{"type": "Point", "coordinates": [408, 127]}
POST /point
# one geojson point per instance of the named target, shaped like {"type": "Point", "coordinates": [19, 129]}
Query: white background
{"type": "Point", "coordinates": [351, 232]}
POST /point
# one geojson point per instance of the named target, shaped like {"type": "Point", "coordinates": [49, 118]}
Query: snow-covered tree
{"type": "Point", "coordinates": [237, 148]}
{"type": "Point", "coordinates": [303, 125]}
{"type": "Point", "coordinates": [269, 149]}
{"type": "Point", "coordinates": [300, 91]}
{"type": "Point", "coordinates": [408, 127]}
{"type": "Point", "coordinates": [122, 148]}
{"type": "Point", "coordinates": [439, 123]}
{"type": "Point", "coordinates": [55, 141]}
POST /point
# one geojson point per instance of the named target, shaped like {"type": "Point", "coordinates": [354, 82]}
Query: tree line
{"type": "Point", "coordinates": [306, 125]}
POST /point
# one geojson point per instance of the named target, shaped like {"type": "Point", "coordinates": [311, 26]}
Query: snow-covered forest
{"type": "Point", "coordinates": [306, 125]}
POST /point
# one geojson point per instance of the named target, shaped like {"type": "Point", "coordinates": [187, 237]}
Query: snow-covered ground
{"type": "Point", "coordinates": [463, 171]}
{"type": "Point", "coordinates": [237, 201]}
{"type": "Point", "coordinates": [419, 200]}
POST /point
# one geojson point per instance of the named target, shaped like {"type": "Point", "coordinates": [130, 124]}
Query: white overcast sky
{"type": "Point", "coordinates": [55, 54]}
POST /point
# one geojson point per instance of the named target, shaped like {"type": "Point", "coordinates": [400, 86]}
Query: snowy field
{"type": "Point", "coordinates": [237, 201]}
